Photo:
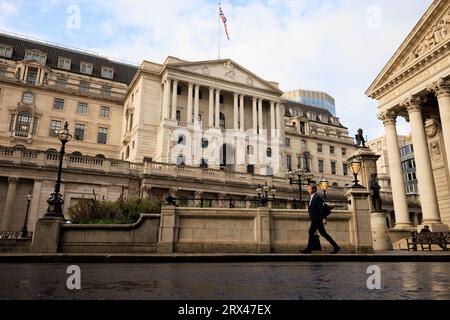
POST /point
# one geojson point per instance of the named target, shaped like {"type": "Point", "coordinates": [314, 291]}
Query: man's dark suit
{"type": "Point", "coordinates": [316, 214]}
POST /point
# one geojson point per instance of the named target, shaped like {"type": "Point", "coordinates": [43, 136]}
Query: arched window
{"type": "Point", "coordinates": [23, 124]}
{"type": "Point", "coordinates": [205, 143]}
{"type": "Point", "coordinates": [182, 139]}
{"type": "Point", "coordinates": [28, 98]}
{"type": "Point", "coordinates": [52, 151]}
{"type": "Point", "coordinates": [269, 153]}
{"type": "Point", "coordinates": [250, 150]}
{"type": "Point", "coordinates": [335, 185]}
{"type": "Point", "coordinates": [222, 121]}
{"type": "Point", "coordinates": [100, 156]}
{"type": "Point", "coordinates": [77, 153]}
{"type": "Point", "coordinates": [127, 154]}
{"type": "Point", "coordinates": [19, 147]}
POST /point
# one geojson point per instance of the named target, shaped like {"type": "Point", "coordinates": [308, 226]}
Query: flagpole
{"type": "Point", "coordinates": [219, 31]}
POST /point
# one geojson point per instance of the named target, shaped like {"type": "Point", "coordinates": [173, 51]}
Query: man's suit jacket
{"type": "Point", "coordinates": [316, 211]}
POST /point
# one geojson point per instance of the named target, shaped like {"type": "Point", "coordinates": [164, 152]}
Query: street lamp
{"type": "Point", "coordinates": [303, 175]}
{"type": "Point", "coordinates": [55, 202]}
{"type": "Point", "coordinates": [324, 184]}
{"type": "Point", "coordinates": [24, 230]}
{"type": "Point", "coordinates": [264, 192]}
{"type": "Point", "coordinates": [355, 167]}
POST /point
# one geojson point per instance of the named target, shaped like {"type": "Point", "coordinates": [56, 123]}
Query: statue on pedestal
{"type": "Point", "coordinates": [360, 141]}
{"type": "Point", "coordinates": [375, 189]}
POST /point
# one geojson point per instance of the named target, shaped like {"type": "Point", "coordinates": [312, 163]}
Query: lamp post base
{"type": "Point", "coordinates": [55, 204]}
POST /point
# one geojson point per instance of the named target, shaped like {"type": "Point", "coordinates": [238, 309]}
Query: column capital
{"type": "Point", "coordinates": [441, 88]}
{"type": "Point", "coordinates": [389, 118]}
{"type": "Point", "coordinates": [412, 104]}
{"type": "Point", "coordinates": [13, 179]}
{"type": "Point", "coordinates": [236, 95]}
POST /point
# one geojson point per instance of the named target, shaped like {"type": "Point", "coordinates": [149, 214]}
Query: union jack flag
{"type": "Point", "coordinates": [224, 20]}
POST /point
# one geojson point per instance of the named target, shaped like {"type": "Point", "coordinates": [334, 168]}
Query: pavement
{"type": "Point", "coordinates": [390, 256]}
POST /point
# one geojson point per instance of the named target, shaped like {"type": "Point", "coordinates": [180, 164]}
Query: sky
{"type": "Point", "coordinates": [336, 46]}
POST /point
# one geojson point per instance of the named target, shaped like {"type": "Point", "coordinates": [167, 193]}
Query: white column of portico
{"type": "Point", "coordinates": [255, 117]}
{"type": "Point", "coordinates": [211, 107]}
{"type": "Point", "coordinates": [8, 211]}
{"type": "Point", "coordinates": [242, 116]}
{"type": "Point", "coordinates": [260, 116]}
{"type": "Point", "coordinates": [442, 91]}
{"type": "Point", "coordinates": [218, 108]}
{"type": "Point", "coordinates": [279, 121]}
{"type": "Point", "coordinates": [395, 170]}
{"type": "Point", "coordinates": [196, 103]}
{"type": "Point", "coordinates": [272, 119]}
{"type": "Point", "coordinates": [236, 112]}
{"type": "Point", "coordinates": [427, 188]}
{"type": "Point", "coordinates": [166, 100]}
{"type": "Point", "coordinates": [174, 100]}
{"type": "Point", "coordinates": [190, 103]}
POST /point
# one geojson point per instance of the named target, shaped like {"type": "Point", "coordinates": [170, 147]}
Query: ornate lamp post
{"type": "Point", "coordinates": [355, 167]}
{"type": "Point", "coordinates": [24, 230]}
{"type": "Point", "coordinates": [324, 184]}
{"type": "Point", "coordinates": [263, 194]}
{"type": "Point", "coordinates": [55, 202]}
{"type": "Point", "coordinates": [303, 176]}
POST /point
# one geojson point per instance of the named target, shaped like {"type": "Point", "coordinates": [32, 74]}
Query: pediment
{"type": "Point", "coordinates": [227, 70]}
{"type": "Point", "coordinates": [430, 34]}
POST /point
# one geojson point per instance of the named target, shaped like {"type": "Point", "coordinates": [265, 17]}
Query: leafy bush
{"type": "Point", "coordinates": [92, 211]}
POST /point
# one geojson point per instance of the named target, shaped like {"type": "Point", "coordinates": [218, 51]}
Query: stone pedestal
{"type": "Point", "coordinates": [167, 230]}
{"type": "Point", "coordinates": [380, 237]}
{"type": "Point", "coordinates": [46, 235]}
{"type": "Point", "coordinates": [360, 224]}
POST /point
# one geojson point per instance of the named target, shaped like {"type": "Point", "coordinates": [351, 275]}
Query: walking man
{"type": "Point", "coordinates": [318, 220]}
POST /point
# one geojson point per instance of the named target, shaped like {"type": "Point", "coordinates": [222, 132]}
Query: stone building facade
{"type": "Point", "coordinates": [208, 129]}
{"type": "Point", "coordinates": [414, 84]}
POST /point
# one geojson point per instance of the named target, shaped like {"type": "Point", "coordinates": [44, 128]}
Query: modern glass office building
{"type": "Point", "coordinates": [313, 98]}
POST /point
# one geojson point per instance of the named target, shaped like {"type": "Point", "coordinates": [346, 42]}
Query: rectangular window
{"type": "Point", "coordinates": [86, 68]}
{"type": "Point", "coordinates": [287, 142]}
{"type": "Point", "coordinates": [79, 132]}
{"type": "Point", "coordinates": [106, 90]}
{"type": "Point", "coordinates": [105, 112]}
{"type": "Point", "coordinates": [178, 115]}
{"type": "Point", "coordinates": [222, 99]}
{"type": "Point", "coordinates": [321, 166]}
{"type": "Point", "coordinates": [58, 104]}
{"type": "Point", "coordinates": [303, 145]}
{"type": "Point", "coordinates": [6, 51]}
{"type": "Point", "coordinates": [302, 128]}
{"type": "Point", "coordinates": [32, 75]}
{"type": "Point", "coordinates": [82, 108]}
{"type": "Point", "coordinates": [34, 56]}
{"type": "Point", "coordinates": [61, 82]}
{"type": "Point", "coordinates": [103, 135]}
{"type": "Point", "coordinates": [345, 169]}
{"type": "Point", "coordinates": [333, 167]}
{"type": "Point", "coordinates": [344, 152]}
{"type": "Point", "coordinates": [64, 64]}
{"type": "Point", "coordinates": [107, 73]}
{"type": "Point", "coordinates": [331, 150]}
{"type": "Point", "coordinates": [55, 126]}
{"type": "Point", "coordinates": [289, 162]}
{"type": "Point", "coordinates": [319, 147]}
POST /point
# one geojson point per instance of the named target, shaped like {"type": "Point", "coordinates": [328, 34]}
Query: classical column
{"type": "Point", "coordinates": [166, 100]}
{"type": "Point", "coordinates": [236, 112]}
{"type": "Point", "coordinates": [427, 188]}
{"type": "Point", "coordinates": [218, 108]}
{"type": "Point", "coordinates": [255, 117]}
{"type": "Point", "coordinates": [272, 119]}
{"type": "Point", "coordinates": [242, 116]}
{"type": "Point", "coordinates": [395, 170]}
{"type": "Point", "coordinates": [211, 108]}
{"type": "Point", "coordinates": [442, 91]}
{"type": "Point", "coordinates": [260, 116]}
{"type": "Point", "coordinates": [196, 103]}
{"type": "Point", "coordinates": [189, 103]}
{"type": "Point", "coordinates": [280, 120]}
{"type": "Point", "coordinates": [174, 100]}
{"type": "Point", "coordinates": [9, 203]}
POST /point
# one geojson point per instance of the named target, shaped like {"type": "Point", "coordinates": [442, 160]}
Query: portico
{"type": "Point", "coordinates": [415, 85]}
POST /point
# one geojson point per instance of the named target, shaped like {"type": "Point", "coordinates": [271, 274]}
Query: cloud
{"type": "Point", "coordinates": [333, 46]}
{"type": "Point", "coordinates": [8, 8]}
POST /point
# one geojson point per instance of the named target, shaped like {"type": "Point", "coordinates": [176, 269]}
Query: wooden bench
{"type": "Point", "coordinates": [442, 239]}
